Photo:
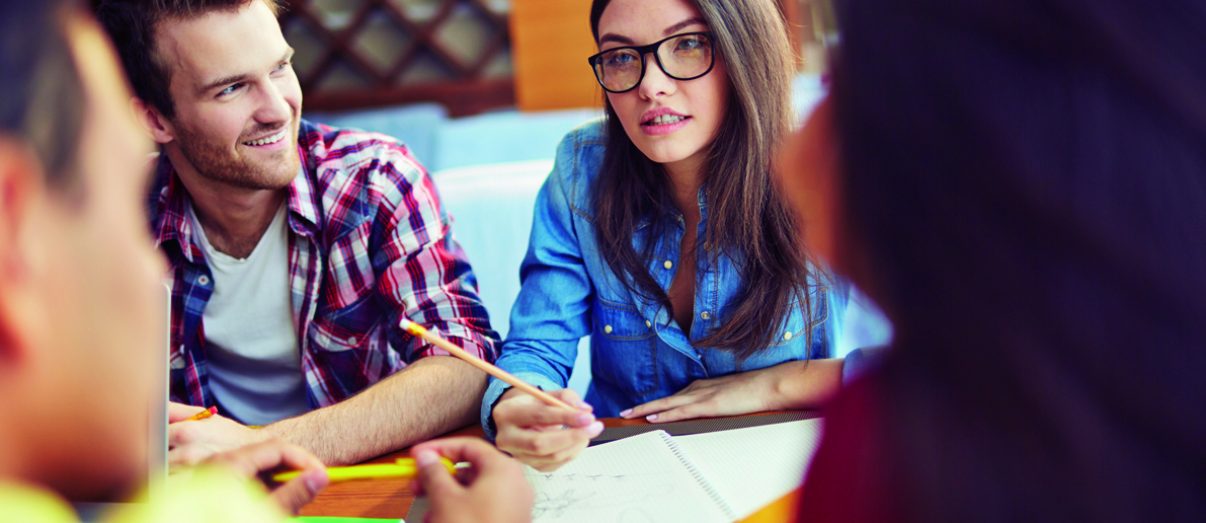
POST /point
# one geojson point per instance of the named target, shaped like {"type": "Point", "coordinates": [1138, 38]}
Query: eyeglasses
{"type": "Point", "coordinates": [684, 56]}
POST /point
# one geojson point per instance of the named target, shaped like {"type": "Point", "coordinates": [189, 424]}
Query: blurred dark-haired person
{"type": "Point", "coordinates": [81, 293]}
{"type": "Point", "coordinates": [1022, 187]}
{"type": "Point", "coordinates": [296, 248]}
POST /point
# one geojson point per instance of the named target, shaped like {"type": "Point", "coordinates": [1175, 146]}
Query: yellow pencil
{"type": "Point", "coordinates": [402, 468]}
{"type": "Point", "coordinates": [202, 415]}
{"type": "Point", "coordinates": [503, 375]}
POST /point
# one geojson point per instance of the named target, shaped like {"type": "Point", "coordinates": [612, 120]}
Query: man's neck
{"type": "Point", "coordinates": [234, 219]}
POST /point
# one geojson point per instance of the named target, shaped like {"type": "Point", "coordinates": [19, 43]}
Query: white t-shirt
{"type": "Point", "coordinates": [251, 341]}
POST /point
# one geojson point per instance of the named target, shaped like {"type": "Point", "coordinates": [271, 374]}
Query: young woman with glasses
{"type": "Point", "coordinates": [661, 236]}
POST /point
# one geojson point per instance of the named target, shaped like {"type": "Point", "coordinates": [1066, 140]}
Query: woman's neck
{"type": "Point", "coordinates": [686, 177]}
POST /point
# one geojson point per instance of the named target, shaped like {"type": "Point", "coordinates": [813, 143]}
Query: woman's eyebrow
{"type": "Point", "coordinates": [612, 37]}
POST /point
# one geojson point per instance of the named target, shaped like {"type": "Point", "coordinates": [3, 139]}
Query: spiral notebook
{"type": "Point", "coordinates": [717, 476]}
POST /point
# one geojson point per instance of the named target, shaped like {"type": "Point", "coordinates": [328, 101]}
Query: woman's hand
{"type": "Point", "coordinates": [543, 436]}
{"type": "Point", "coordinates": [791, 385]}
{"type": "Point", "coordinates": [492, 489]}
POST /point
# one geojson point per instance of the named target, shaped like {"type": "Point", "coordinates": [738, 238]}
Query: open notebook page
{"type": "Point", "coordinates": [754, 466]}
{"type": "Point", "coordinates": [636, 479]}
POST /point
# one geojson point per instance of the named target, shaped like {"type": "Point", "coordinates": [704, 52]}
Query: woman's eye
{"type": "Point", "coordinates": [618, 59]}
{"type": "Point", "coordinates": [689, 44]}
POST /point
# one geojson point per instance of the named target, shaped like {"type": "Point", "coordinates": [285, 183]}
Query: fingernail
{"type": "Point", "coordinates": [423, 458]}
{"type": "Point", "coordinates": [315, 480]}
{"type": "Point", "coordinates": [583, 419]}
{"type": "Point", "coordinates": [651, 417]}
{"type": "Point", "coordinates": [624, 413]}
{"type": "Point", "coordinates": [595, 429]}
{"type": "Point", "coordinates": [583, 405]}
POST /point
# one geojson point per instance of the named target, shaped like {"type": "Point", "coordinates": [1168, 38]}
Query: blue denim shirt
{"type": "Point", "coordinates": [638, 352]}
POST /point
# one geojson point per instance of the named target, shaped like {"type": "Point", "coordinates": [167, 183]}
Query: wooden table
{"type": "Point", "coordinates": [392, 498]}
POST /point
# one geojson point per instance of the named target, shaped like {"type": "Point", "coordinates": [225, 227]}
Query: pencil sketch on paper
{"type": "Point", "coordinates": [599, 497]}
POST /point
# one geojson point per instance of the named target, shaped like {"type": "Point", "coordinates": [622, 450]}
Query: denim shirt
{"type": "Point", "coordinates": [638, 352]}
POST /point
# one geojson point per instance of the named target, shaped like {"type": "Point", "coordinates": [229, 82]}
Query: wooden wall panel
{"type": "Point", "coordinates": [551, 40]}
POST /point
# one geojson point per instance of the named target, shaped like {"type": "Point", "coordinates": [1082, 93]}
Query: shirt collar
{"type": "Point", "coordinates": [304, 207]}
{"type": "Point", "coordinates": [673, 215]}
{"type": "Point", "coordinates": [172, 224]}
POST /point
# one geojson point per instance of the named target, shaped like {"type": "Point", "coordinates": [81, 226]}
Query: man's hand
{"type": "Point", "coordinates": [275, 455]}
{"type": "Point", "coordinates": [791, 385]}
{"type": "Point", "coordinates": [540, 435]}
{"type": "Point", "coordinates": [191, 442]}
{"type": "Point", "coordinates": [492, 489]}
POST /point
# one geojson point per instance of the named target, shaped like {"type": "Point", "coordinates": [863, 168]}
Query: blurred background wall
{"type": "Point", "coordinates": [468, 56]}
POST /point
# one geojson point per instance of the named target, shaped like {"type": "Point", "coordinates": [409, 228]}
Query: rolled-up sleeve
{"type": "Point", "coordinates": [427, 278]}
{"type": "Point", "coordinates": [552, 312]}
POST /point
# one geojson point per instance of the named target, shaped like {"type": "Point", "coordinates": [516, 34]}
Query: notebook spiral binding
{"type": "Point", "coordinates": [699, 478]}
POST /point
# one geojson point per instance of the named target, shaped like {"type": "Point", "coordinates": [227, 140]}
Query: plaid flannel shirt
{"type": "Point", "coordinates": [369, 244]}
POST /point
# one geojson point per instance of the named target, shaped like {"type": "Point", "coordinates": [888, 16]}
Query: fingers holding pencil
{"type": "Point", "coordinates": [508, 378]}
{"type": "Point", "coordinates": [541, 436]}
{"type": "Point", "coordinates": [540, 429]}
{"type": "Point", "coordinates": [494, 490]}
{"type": "Point", "coordinates": [266, 456]}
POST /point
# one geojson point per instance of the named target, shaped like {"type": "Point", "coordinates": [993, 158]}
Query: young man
{"type": "Point", "coordinates": [80, 289]}
{"type": "Point", "coordinates": [296, 248]}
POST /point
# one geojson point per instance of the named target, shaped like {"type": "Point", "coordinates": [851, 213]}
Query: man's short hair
{"type": "Point", "coordinates": [131, 25]}
{"type": "Point", "coordinates": [41, 94]}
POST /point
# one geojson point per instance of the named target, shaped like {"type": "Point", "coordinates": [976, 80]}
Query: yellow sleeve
{"type": "Point", "coordinates": [25, 503]}
{"type": "Point", "coordinates": [203, 495]}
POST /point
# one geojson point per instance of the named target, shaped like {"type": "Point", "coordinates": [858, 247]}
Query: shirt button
{"type": "Point", "coordinates": [705, 315]}
{"type": "Point", "coordinates": [352, 340]}
{"type": "Point", "coordinates": [202, 280]}
{"type": "Point", "coordinates": [669, 264]}
{"type": "Point", "coordinates": [648, 323]}
{"type": "Point", "coordinates": [607, 329]}
{"type": "Point", "coordinates": [787, 335]}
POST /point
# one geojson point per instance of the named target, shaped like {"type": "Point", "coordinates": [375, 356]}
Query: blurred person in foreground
{"type": "Point", "coordinates": [80, 295]}
{"type": "Point", "coordinates": [1022, 187]}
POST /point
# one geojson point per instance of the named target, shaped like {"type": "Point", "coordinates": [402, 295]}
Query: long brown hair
{"type": "Point", "coordinates": [748, 219]}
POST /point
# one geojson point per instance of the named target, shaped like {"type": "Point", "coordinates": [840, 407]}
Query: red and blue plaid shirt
{"type": "Point", "coordinates": [369, 244]}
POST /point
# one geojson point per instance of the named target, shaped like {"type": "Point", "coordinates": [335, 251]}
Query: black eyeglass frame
{"type": "Point", "coordinates": [643, 50]}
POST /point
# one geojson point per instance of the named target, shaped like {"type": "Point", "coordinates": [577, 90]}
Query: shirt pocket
{"type": "Point", "coordinates": [624, 349]}
{"type": "Point", "coordinates": [350, 274]}
{"type": "Point", "coordinates": [341, 365]}
{"type": "Point", "coordinates": [343, 329]}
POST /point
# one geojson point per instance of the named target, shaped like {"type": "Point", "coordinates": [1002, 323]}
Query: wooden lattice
{"type": "Point", "coordinates": [369, 53]}
{"type": "Point", "coordinates": [362, 53]}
